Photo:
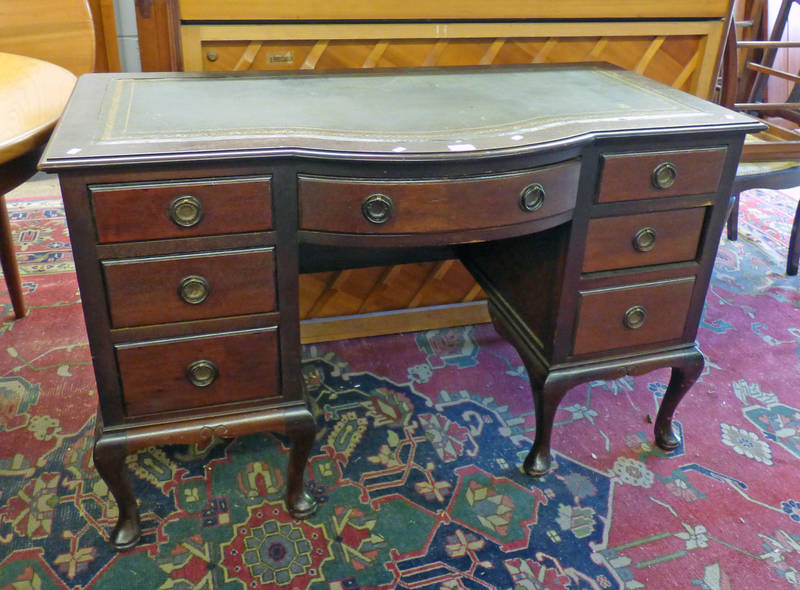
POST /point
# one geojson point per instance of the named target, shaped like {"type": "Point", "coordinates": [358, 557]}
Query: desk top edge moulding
{"type": "Point", "coordinates": [587, 201]}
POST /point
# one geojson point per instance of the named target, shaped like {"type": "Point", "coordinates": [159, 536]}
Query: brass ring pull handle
{"type": "Point", "coordinates": [532, 197]}
{"type": "Point", "coordinates": [202, 373]}
{"type": "Point", "coordinates": [644, 240]}
{"type": "Point", "coordinates": [634, 318]}
{"type": "Point", "coordinates": [186, 211]}
{"type": "Point", "coordinates": [664, 175]}
{"type": "Point", "coordinates": [377, 208]}
{"type": "Point", "coordinates": [194, 289]}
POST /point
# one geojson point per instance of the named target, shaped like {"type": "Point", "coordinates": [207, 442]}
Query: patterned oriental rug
{"type": "Point", "coordinates": [417, 462]}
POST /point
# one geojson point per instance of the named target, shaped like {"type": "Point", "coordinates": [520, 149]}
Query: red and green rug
{"type": "Point", "coordinates": [421, 437]}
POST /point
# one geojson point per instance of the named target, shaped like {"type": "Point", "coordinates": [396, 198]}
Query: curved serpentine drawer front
{"type": "Point", "coordinates": [156, 210]}
{"type": "Point", "coordinates": [184, 287]}
{"type": "Point", "coordinates": [650, 175]}
{"type": "Point", "coordinates": [180, 373]}
{"type": "Point", "coordinates": [363, 206]}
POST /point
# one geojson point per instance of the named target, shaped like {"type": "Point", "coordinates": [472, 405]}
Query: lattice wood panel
{"type": "Point", "coordinates": [403, 286]}
{"type": "Point", "coordinates": [674, 60]}
{"type": "Point", "coordinates": [681, 54]}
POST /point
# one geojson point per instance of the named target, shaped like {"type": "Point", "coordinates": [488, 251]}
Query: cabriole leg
{"type": "Point", "coordinates": [546, 399]}
{"type": "Point", "coordinates": [109, 460]}
{"type": "Point", "coordinates": [682, 378]}
{"type": "Point", "coordinates": [302, 431]}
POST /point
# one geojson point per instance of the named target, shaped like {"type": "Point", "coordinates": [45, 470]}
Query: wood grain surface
{"type": "Point", "coordinates": [32, 96]}
{"type": "Point", "coordinates": [145, 291]}
{"type": "Point", "coordinates": [601, 313]}
{"type": "Point", "coordinates": [447, 9]}
{"type": "Point", "coordinates": [628, 177]}
{"type": "Point", "coordinates": [141, 211]}
{"type": "Point", "coordinates": [334, 205]}
{"type": "Point", "coordinates": [610, 240]}
{"type": "Point", "coordinates": [57, 31]}
{"type": "Point", "coordinates": [154, 374]}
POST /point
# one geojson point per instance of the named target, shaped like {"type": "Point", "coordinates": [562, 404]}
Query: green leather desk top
{"type": "Point", "coordinates": [389, 114]}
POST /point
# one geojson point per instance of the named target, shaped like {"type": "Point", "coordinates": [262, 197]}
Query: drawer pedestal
{"type": "Point", "coordinates": [628, 300]}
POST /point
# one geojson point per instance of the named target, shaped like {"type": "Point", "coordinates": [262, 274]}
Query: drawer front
{"type": "Point", "coordinates": [632, 315]}
{"type": "Point", "coordinates": [184, 373]}
{"type": "Point", "coordinates": [650, 175]}
{"type": "Point", "coordinates": [190, 287]}
{"type": "Point", "coordinates": [181, 209]}
{"type": "Point", "coordinates": [365, 207]}
{"type": "Point", "coordinates": [640, 240]}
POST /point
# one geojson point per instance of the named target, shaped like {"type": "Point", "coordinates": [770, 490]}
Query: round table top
{"type": "Point", "coordinates": [33, 94]}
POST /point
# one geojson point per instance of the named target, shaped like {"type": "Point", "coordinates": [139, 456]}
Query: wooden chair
{"type": "Point", "coordinates": [770, 159]}
{"type": "Point", "coordinates": [44, 45]}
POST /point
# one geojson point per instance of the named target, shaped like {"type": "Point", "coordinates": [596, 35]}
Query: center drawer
{"type": "Point", "coordinates": [184, 287]}
{"type": "Point", "coordinates": [183, 373]}
{"type": "Point", "coordinates": [399, 207]}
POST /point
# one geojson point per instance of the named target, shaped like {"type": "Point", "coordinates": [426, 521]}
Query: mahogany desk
{"type": "Point", "coordinates": [588, 202]}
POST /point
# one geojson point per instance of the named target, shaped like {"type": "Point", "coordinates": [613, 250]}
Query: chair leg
{"type": "Point", "coordinates": [8, 258]}
{"type": "Point", "coordinates": [794, 245]}
{"type": "Point", "coordinates": [733, 217]}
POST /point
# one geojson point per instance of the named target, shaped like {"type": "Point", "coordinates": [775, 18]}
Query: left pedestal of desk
{"type": "Point", "coordinates": [190, 307]}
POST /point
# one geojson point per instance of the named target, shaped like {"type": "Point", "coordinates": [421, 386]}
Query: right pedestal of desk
{"type": "Point", "coordinates": [618, 290]}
